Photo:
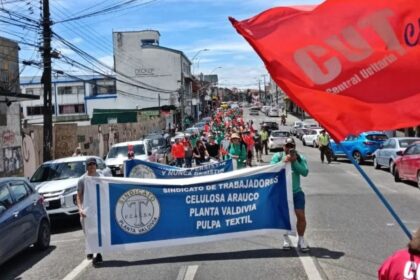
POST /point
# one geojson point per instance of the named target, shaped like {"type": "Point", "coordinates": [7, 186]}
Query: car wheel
{"type": "Point", "coordinates": [314, 144]}
{"type": "Point", "coordinates": [44, 236]}
{"type": "Point", "coordinates": [396, 175]}
{"type": "Point", "coordinates": [357, 156]}
{"type": "Point", "coordinates": [375, 163]}
{"type": "Point", "coordinates": [303, 142]}
{"type": "Point", "coordinates": [391, 166]}
{"type": "Point", "coordinates": [418, 179]}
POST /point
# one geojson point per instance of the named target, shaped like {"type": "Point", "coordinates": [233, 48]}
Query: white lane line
{"type": "Point", "coordinates": [76, 271]}
{"type": "Point", "coordinates": [187, 272]}
{"type": "Point", "coordinates": [65, 240]}
{"type": "Point", "coordinates": [307, 262]}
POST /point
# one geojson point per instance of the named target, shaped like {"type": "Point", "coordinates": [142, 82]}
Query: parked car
{"type": "Point", "coordinates": [310, 137]}
{"type": "Point", "coordinates": [56, 181]}
{"type": "Point", "coordinates": [304, 128]}
{"type": "Point", "coordinates": [23, 218]}
{"type": "Point", "coordinates": [361, 147]}
{"type": "Point", "coordinates": [118, 154]}
{"type": "Point", "coordinates": [387, 153]}
{"type": "Point", "coordinates": [192, 130]}
{"type": "Point", "coordinates": [273, 112]}
{"type": "Point", "coordinates": [265, 109]}
{"type": "Point", "coordinates": [407, 164]}
{"type": "Point", "coordinates": [199, 126]}
{"type": "Point", "coordinates": [277, 139]}
{"type": "Point", "coordinates": [296, 125]}
{"type": "Point", "coordinates": [254, 111]}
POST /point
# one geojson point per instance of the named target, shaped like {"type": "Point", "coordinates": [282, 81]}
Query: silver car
{"type": "Point", "coordinates": [386, 154]}
{"type": "Point", "coordinates": [277, 139]}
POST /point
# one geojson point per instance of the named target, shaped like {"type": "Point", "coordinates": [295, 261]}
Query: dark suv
{"type": "Point", "coordinates": [23, 218]}
{"type": "Point", "coordinates": [270, 126]}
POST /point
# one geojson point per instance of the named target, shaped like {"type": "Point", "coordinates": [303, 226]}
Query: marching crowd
{"type": "Point", "coordinates": [226, 136]}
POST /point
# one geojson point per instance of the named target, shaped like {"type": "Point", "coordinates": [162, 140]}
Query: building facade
{"type": "Point", "coordinates": [149, 75]}
{"type": "Point", "coordinates": [73, 98]}
{"type": "Point", "coordinates": [12, 155]}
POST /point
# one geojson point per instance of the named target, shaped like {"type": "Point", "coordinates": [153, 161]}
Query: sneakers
{"type": "Point", "coordinates": [89, 256]}
{"type": "Point", "coordinates": [286, 245]}
{"type": "Point", "coordinates": [303, 247]}
{"type": "Point", "coordinates": [97, 260]}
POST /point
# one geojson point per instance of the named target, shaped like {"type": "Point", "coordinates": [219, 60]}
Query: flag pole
{"type": "Point", "coordinates": [377, 192]}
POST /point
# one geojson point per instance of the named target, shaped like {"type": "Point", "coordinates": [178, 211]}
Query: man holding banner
{"type": "Point", "coordinates": [299, 167]}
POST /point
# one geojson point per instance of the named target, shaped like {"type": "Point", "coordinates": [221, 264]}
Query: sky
{"type": "Point", "coordinates": [186, 25]}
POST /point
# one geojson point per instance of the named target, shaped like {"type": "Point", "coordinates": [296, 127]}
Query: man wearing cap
{"type": "Point", "coordinates": [91, 166]}
{"type": "Point", "coordinates": [299, 168]}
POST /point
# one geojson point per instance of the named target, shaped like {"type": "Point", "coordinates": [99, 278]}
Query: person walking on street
{"type": "Point", "coordinates": [188, 154]}
{"type": "Point", "coordinates": [91, 166]}
{"type": "Point", "coordinates": [264, 139]}
{"type": "Point", "coordinates": [299, 168]}
{"type": "Point", "coordinates": [200, 153]}
{"type": "Point", "coordinates": [213, 148]}
{"type": "Point", "coordinates": [248, 139]}
{"type": "Point", "coordinates": [258, 146]}
{"type": "Point", "coordinates": [178, 152]}
{"type": "Point", "coordinates": [324, 146]}
{"type": "Point", "coordinates": [237, 151]}
{"type": "Point", "coordinates": [403, 264]}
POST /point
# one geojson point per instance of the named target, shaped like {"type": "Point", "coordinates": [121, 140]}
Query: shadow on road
{"type": "Point", "coordinates": [323, 253]}
{"type": "Point", "coordinates": [23, 262]}
{"type": "Point", "coordinates": [239, 255]}
{"type": "Point", "coordinates": [63, 225]}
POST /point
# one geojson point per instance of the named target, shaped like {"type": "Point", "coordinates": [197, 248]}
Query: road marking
{"type": "Point", "coordinates": [76, 271]}
{"type": "Point", "coordinates": [187, 272]}
{"type": "Point", "coordinates": [307, 262]}
{"type": "Point", "coordinates": [65, 240]}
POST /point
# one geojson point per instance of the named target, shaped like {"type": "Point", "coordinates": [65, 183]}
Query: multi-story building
{"type": "Point", "coordinates": [11, 155]}
{"type": "Point", "coordinates": [73, 98]}
{"type": "Point", "coordinates": [149, 75]}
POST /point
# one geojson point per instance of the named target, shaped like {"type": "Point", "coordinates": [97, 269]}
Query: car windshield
{"type": "Point", "coordinates": [122, 151]}
{"type": "Point", "coordinates": [376, 137]}
{"type": "Point", "coordinates": [280, 134]}
{"type": "Point", "coordinates": [59, 171]}
{"type": "Point", "coordinates": [404, 143]}
{"type": "Point", "coordinates": [157, 142]}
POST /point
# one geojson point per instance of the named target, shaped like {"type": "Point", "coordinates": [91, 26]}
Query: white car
{"type": "Point", "coordinates": [265, 109]}
{"type": "Point", "coordinates": [56, 181]}
{"type": "Point", "coordinates": [277, 139]}
{"type": "Point", "coordinates": [119, 153]}
{"type": "Point", "coordinates": [310, 138]}
{"type": "Point", "coordinates": [273, 112]}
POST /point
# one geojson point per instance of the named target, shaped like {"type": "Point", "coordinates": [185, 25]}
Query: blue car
{"type": "Point", "coordinates": [361, 147]}
{"type": "Point", "coordinates": [23, 218]}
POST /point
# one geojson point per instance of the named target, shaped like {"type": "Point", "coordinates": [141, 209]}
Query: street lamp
{"type": "Point", "coordinates": [195, 56]}
{"type": "Point", "coordinates": [212, 71]}
{"type": "Point", "coordinates": [198, 52]}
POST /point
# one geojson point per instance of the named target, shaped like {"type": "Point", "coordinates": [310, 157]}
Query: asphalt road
{"type": "Point", "coordinates": [349, 230]}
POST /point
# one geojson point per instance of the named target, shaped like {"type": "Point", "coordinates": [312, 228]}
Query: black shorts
{"type": "Point", "coordinates": [249, 154]}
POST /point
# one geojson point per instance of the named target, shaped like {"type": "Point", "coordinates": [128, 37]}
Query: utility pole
{"type": "Point", "coordinates": [259, 90]}
{"type": "Point", "coordinates": [46, 81]}
{"type": "Point", "coordinates": [265, 90]}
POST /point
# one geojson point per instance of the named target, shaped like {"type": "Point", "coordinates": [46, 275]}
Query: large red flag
{"type": "Point", "coordinates": [353, 65]}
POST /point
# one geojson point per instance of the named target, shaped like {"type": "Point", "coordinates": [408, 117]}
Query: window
{"type": "Point", "coordinates": [19, 190]}
{"type": "Point", "coordinates": [37, 110]}
{"type": "Point", "coordinates": [148, 42]}
{"type": "Point", "coordinates": [65, 90]}
{"type": "Point", "coordinates": [71, 109]}
{"type": "Point", "coordinates": [410, 150]}
{"type": "Point", "coordinates": [104, 87]}
{"type": "Point", "coordinates": [80, 90]}
{"type": "Point", "coordinates": [392, 144]}
{"type": "Point", "coordinates": [5, 197]}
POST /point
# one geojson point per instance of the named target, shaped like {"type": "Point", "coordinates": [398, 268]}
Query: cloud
{"type": "Point", "coordinates": [108, 60]}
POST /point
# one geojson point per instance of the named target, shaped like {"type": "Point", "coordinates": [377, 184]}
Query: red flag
{"type": "Point", "coordinates": [353, 65]}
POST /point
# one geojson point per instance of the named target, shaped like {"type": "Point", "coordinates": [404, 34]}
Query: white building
{"type": "Point", "coordinates": [73, 98]}
{"type": "Point", "coordinates": [149, 75]}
